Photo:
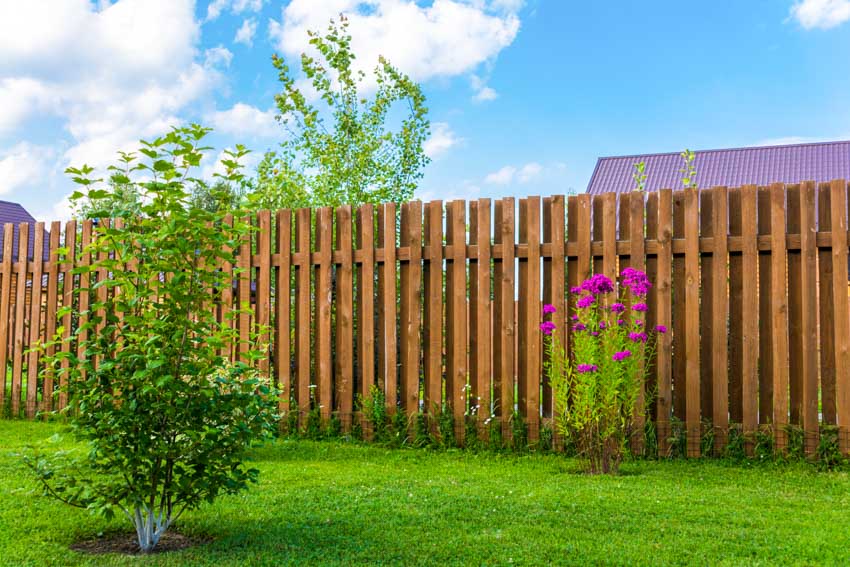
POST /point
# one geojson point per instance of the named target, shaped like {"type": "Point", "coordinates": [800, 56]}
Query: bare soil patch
{"type": "Point", "coordinates": [125, 543]}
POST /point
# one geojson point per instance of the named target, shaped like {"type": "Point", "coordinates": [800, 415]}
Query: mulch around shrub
{"type": "Point", "coordinates": [127, 544]}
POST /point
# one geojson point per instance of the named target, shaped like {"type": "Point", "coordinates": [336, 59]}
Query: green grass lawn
{"type": "Point", "coordinates": [342, 504]}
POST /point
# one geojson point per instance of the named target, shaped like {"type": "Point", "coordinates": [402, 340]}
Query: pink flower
{"type": "Point", "coordinates": [617, 308]}
{"type": "Point", "coordinates": [548, 308]}
{"type": "Point", "coordinates": [585, 368]}
{"type": "Point", "coordinates": [661, 329]}
{"type": "Point", "coordinates": [585, 301]}
{"type": "Point", "coordinates": [574, 317]}
{"type": "Point", "coordinates": [640, 307]}
{"type": "Point", "coordinates": [636, 281]}
{"type": "Point", "coordinates": [621, 322]}
{"type": "Point", "coordinates": [598, 284]}
{"type": "Point", "coordinates": [579, 327]}
{"type": "Point", "coordinates": [638, 337]}
{"type": "Point", "coordinates": [602, 325]}
{"type": "Point", "coordinates": [622, 355]}
{"type": "Point", "coordinates": [575, 290]}
{"type": "Point", "coordinates": [547, 327]}
{"type": "Point", "coordinates": [638, 323]}
{"type": "Point", "coordinates": [594, 333]}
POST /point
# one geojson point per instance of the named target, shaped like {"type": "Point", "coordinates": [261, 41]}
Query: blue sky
{"type": "Point", "coordinates": [523, 95]}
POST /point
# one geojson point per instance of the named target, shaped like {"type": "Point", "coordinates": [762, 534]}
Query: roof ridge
{"type": "Point", "coordinates": [738, 149]}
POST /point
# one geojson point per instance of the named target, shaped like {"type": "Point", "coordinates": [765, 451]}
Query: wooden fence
{"type": "Point", "coordinates": [439, 305]}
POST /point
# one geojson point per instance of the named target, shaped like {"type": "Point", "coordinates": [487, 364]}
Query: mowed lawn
{"type": "Point", "coordinates": [324, 503]}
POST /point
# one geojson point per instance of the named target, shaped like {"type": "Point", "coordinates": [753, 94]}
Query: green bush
{"type": "Point", "coordinates": [165, 416]}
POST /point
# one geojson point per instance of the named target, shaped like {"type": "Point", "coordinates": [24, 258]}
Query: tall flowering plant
{"type": "Point", "coordinates": [597, 384]}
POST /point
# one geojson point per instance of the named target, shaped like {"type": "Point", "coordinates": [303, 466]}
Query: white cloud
{"type": "Point", "coordinates": [216, 7]}
{"type": "Point", "coordinates": [529, 171]}
{"type": "Point", "coordinates": [218, 56]}
{"type": "Point", "coordinates": [482, 91]}
{"type": "Point", "coordinates": [245, 120]}
{"type": "Point", "coordinates": [441, 140]}
{"type": "Point", "coordinates": [111, 73]}
{"type": "Point", "coordinates": [443, 39]}
{"type": "Point", "coordinates": [508, 174]}
{"type": "Point", "coordinates": [501, 177]}
{"type": "Point", "coordinates": [23, 165]}
{"type": "Point", "coordinates": [245, 34]}
{"type": "Point", "coordinates": [822, 14]}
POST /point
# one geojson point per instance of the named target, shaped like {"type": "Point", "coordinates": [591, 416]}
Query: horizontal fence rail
{"type": "Point", "coordinates": [439, 306]}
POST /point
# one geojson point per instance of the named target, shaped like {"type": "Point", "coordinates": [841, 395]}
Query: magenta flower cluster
{"type": "Point", "coordinates": [585, 368]}
{"type": "Point", "coordinates": [638, 337]}
{"type": "Point", "coordinates": [598, 284]}
{"type": "Point", "coordinates": [636, 281]}
{"type": "Point", "coordinates": [622, 355]}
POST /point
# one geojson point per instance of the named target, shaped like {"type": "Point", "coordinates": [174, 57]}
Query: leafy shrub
{"type": "Point", "coordinates": [597, 391]}
{"type": "Point", "coordinates": [165, 415]}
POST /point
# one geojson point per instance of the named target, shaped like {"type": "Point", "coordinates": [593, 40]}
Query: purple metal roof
{"type": "Point", "coordinates": [734, 167]}
{"type": "Point", "coordinates": [14, 213]}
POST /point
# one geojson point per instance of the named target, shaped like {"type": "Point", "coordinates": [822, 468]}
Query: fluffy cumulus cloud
{"type": "Point", "coordinates": [23, 164]}
{"type": "Point", "coordinates": [442, 139]}
{"type": "Point", "coordinates": [244, 120]}
{"type": "Point", "coordinates": [442, 39]}
{"type": "Point", "coordinates": [245, 33]}
{"type": "Point", "coordinates": [137, 68]}
{"type": "Point", "coordinates": [108, 72]}
{"type": "Point", "coordinates": [822, 14]}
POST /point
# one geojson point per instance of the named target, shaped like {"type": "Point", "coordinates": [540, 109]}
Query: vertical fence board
{"type": "Point", "coordinates": [651, 384]}
{"type": "Point", "coordinates": [243, 263]}
{"type": "Point", "coordinates": [749, 317]}
{"type": "Point", "coordinates": [302, 312]}
{"type": "Point", "coordinates": [637, 261]}
{"type": "Point", "coordinates": [503, 320]}
{"type": "Point", "coordinates": [609, 235]}
{"type": "Point", "coordinates": [5, 303]}
{"type": "Point", "coordinates": [411, 292]}
{"type": "Point", "coordinates": [779, 314]}
{"type": "Point", "coordinates": [456, 362]}
{"type": "Point", "coordinates": [554, 277]}
{"type": "Point", "coordinates": [736, 306]}
{"type": "Point", "coordinates": [826, 314]}
{"type": "Point", "coordinates": [664, 394]}
{"type": "Point", "coordinates": [808, 318]}
{"type": "Point", "coordinates": [795, 305]}
{"type": "Point", "coordinates": [47, 398]}
{"type": "Point", "coordinates": [283, 304]}
{"type": "Point", "coordinates": [323, 302]}
{"type": "Point", "coordinates": [678, 282]}
{"type": "Point", "coordinates": [387, 353]}
{"type": "Point", "coordinates": [529, 314]}
{"type": "Point", "coordinates": [765, 282]}
{"type": "Point", "coordinates": [366, 300]}
{"type": "Point", "coordinates": [720, 331]}
{"type": "Point", "coordinates": [706, 306]}
{"type": "Point", "coordinates": [838, 196]}
{"type": "Point", "coordinates": [20, 312]}
{"type": "Point", "coordinates": [480, 370]}
{"type": "Point", "coordinates": [263, 285]}
{"type": "Point", "coordinates": [344, 347]}
{"type": "Point", "coordinates": [70, 244]}
{"type": "Point", "coordinates": [35, 319]}
{"type": "Point", "coordinates": [692, 324]}
{"type": "Point", "coordinates": [433, 319]}
{"type": "Point", "coordinates": [226, 308]}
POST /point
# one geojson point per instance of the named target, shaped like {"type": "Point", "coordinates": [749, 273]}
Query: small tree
{"type": "Point", "coordinates": [165, 416]}
{"type": "Point", "coordinates": [340, 150]}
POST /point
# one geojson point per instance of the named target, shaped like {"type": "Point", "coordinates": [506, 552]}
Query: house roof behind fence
{"type": "Point", "coordinates": [733, 167]}
{"type": "Point", "coordinates": [14, 213]}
